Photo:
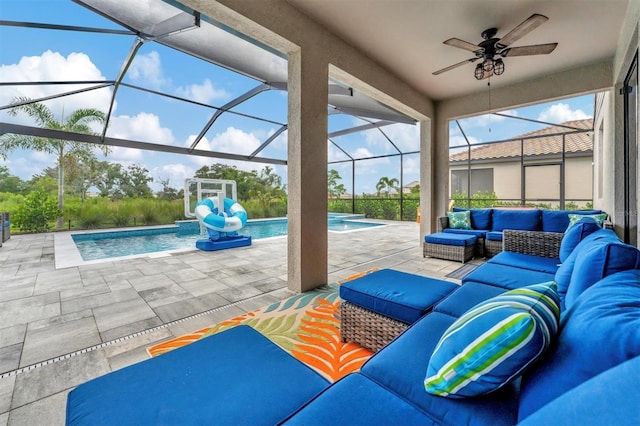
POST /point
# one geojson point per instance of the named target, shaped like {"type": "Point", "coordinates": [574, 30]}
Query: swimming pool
{"type": "Point", "coordinates": [103, 245]}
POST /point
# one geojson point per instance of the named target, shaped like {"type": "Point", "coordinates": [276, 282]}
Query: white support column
{"type": "Point", "coordinates": [307, 171]}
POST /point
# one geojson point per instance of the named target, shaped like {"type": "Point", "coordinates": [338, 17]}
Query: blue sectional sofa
{"type": "Point", "coordinates": [586, 375]}
{"type": "Point", "coordinates": [489, 224]}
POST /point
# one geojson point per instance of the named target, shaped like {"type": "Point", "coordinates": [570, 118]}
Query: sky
{"type": "Point", "coordinates": [30, 54]}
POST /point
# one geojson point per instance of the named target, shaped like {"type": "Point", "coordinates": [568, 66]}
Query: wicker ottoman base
{"type": "Point", "coordinates": [367, 328]}
{"type": "Point", "coordinates": [443, 251]}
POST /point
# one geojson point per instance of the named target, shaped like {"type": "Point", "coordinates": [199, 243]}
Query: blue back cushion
{"type": "Point", "coordinates": [597, 262]}
{"type": "Point", "coordinates": [558, 220]}
{"type": "Point", "coordinates": [575, 234]}
{"type": "Point", "coordinates": [600, 331]}
{"type": "Point", "coordinates": [523, 220]}
{"type": "Point", "coordinates": [564, 272]}
{"type": "Point", "coordinates": [480, 218]}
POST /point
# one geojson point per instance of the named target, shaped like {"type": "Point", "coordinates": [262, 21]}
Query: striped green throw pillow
{"type": "Point", "coordinates": [493, 342]}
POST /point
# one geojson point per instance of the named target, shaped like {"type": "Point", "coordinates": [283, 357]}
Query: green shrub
{"type": "Point", "coordinates": [91, 217]}
{"type": "Point", "coordinates": [36, 212]}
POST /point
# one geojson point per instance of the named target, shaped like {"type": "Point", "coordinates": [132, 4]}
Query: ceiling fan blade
{"type": "Point", "coordinates": [534, 49]}
{"type": "Point", "coordinates": [459, 64]}
{"type": "Point", "coordinates": [456, 42]}
{"type": "Point", "coordinates": [528, 25]}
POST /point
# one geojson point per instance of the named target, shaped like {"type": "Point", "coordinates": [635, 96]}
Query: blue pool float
{"type": "Point", "coordinates": [230, 219]}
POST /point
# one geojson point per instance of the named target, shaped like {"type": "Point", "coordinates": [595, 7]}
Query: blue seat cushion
{"type": "Point", "coordinates": [451, 239]}
{"type": "Point", "coordinates": [400, 367]}
{"type": "Point", "coordinates": [466, 297]}
{"type": "Point", "coordinates": [234, 377]}
{"type": "Point", "coordinates": [526, 261]}
{"type": "Point", "coordinates": [480, 218]}
{"type": "Point", "coordinates": [398, 295]}
{"type": "Point", "coordinates": [610, 398]}
{"type": "Point", "coordinates": [600, 331]}
{"type": "Point", "coordinates": [524, 220]}
{"type": "Point", "coordinates": [507, 277]}
{"type": "Point", "coordinates": [583, 228]}
{"type": "Point", "coordinates": [494, 236]}
{"type": "Point", "coordinates": [558, 220]}
{"type": "Point", "coordinates": [475, 232]}
{"type": "Point", "coordinates": [356, 400]}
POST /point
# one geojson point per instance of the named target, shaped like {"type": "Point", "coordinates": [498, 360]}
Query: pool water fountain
{"type": "Point", "coordinates": [222, 217]}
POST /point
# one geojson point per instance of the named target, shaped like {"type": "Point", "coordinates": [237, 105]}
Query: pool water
{"type": "Point", "coordinates": [102, 245]}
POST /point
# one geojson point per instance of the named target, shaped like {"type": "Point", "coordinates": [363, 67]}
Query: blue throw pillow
{"type": "Point", "coordinates": [459, 220]}
{"type": "Point", "coordinates": [558, 220]}
{"type": "Point", "coordinates": [575, 234]}
{"type": "Point", "coordinates": [600, 331]}
{"type": "Point", "coordinates": [492, 343]}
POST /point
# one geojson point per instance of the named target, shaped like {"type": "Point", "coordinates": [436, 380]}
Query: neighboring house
{"type": "Point", "coordinates": [530, 166]}
{"type": "Point", "coordinates": [407, 188]}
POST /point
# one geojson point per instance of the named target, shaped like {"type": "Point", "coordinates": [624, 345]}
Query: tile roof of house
{"type": "Point", "coordinates": [538, 145]}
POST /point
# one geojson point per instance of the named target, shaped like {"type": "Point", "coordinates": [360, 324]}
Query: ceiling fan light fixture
{"type": "Point", "coordinates": [498, 67]}
{"type": "Point", "coordinates": [479, 72]}
{"type": "Point", "coordinates": [487, 65]}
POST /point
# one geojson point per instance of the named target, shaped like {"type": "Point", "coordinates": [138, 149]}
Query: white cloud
{"type": "Point", "coordinates": [559, 113]}
{"type": "Point", "coordinates": [233, 141]}
{"type": "Point", "coordinates": [52, 66]}
{"type": "Point", "coordinates": [204, 93]}
{"type": "Point", "coordinates": [146, 68]}
{"type": "Point", "coordinates": [143, 127]}
{"type": "Point", "coordinates": [459, 140]}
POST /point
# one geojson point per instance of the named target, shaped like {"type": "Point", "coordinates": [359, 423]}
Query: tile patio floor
{"type": "Point", "coordinates": [62, 327]}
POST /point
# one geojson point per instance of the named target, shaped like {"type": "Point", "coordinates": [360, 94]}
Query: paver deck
{"type": "Point", "coordinates": [62, 327]}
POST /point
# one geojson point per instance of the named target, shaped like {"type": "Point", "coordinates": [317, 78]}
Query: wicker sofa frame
{"type": "Point", "coordinates": [367, 328]}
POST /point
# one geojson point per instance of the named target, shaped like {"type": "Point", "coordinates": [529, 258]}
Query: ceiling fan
{"type": "Point", "coordinates": [492, 49]}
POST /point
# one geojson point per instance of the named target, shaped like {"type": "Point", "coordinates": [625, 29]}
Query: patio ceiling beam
{"type": "Point", "coordinates": [60, 95]}
{"type": "Point", "coordinates": [52, 83]}
{"type": "Point", "coordinates": [362, 112]}
{"type": "Point", "coordinates": [268, 141]}
{"type": "Point", "coordinates": [64, 27]}
{"type": "Point", "coordinates": [171, 26]}
{"type": "Point", "coordinates": [137, 44]}
{"type": "Point", "coordinates": [372, 125]}
{"type": "Point", "coordinates": [232, 103]}
{"type": "Point", "coordinates": [375, 157]}
{"type": "Point", "coordinates": [125, 143]}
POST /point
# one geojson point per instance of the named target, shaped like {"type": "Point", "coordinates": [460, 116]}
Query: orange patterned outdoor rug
{"type": "Point", "coordinates": [306, 325]}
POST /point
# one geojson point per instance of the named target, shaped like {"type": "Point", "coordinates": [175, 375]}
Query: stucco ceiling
{"type": "Point", "coordinates": [406, 36]}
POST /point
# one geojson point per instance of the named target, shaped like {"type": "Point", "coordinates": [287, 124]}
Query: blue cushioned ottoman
{"type": "Point", "coordinates": [212, 381]}
{"type": "Point", "coordinates": [450, 246]}
{"type": "Point", "coordinates": [379, 306]}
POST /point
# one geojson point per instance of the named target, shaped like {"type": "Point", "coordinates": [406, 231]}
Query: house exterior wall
{"type": "Point", "coordinates": [542, 181]}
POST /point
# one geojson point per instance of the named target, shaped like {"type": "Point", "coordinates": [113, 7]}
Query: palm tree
{"type": "Point", "coordinates": [78, 122]}
{"type": "Point", "coordinates": [387, 183]}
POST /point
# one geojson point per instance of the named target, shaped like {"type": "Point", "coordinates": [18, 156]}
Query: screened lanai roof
{"type": "Point", "coordinates": [173, 25]}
